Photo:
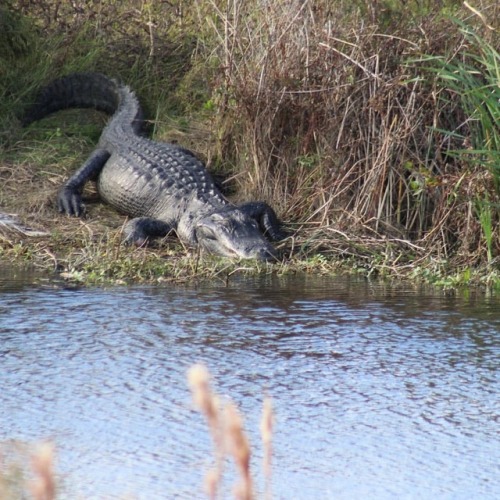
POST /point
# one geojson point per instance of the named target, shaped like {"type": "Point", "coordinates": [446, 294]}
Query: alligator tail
{"type": "Point", "coordinates": [78, 90]}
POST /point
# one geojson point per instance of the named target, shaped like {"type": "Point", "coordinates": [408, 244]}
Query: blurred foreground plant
{"type": "Point", "coordinates": [226, 428]}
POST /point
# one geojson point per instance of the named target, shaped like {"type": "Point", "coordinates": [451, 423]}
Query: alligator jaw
{"type": "Point", "coordinates": [161, 186]}
{"type": "Point", "coordinates": [232, 233]}
{"type": "Point", "coordinates": [262, 252]}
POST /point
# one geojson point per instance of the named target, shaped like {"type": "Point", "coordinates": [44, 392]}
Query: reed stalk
{"type": "Point", "coordinates": [225, 425]}
{"type": "Point", "coordinates": [371, 127]}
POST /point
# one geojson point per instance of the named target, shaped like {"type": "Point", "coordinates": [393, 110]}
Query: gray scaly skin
{"type": "Point", "coordinates": [163, 187]}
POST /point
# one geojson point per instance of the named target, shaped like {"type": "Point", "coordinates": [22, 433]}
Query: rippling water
{"type": "Point", "coordinates": [379, 391]}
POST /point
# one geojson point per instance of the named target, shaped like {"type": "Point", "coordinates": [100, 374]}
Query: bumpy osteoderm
{"type": "Point", "coordinates": [161, 186]}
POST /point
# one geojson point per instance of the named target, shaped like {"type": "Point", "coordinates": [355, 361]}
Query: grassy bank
{"type": "Point", "coordinates": [371, 128]}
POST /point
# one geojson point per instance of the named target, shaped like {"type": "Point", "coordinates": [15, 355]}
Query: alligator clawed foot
{"type": "Point", "coordinates": [70, 202]}
{"type": "Point", "coordinates": [139, 231]}
{"type": "Point", "coordinates": [163, 185]}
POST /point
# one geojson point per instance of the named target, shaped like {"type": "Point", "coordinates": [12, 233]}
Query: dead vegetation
{"type": "Point", "coordinates": [336, 114]}
{"type": "Point", "coordinates": [225, 425]}
{"type": "Point", "coordinates": [347, 135]}
{"type": "Point", "coordinates": [27, 471]}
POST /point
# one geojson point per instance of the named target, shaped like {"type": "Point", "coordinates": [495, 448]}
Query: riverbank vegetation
{"type": "Point", "coordinates": [371, 127]}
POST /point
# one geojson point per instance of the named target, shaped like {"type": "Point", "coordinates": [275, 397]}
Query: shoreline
{"type": "Point", "coordinates": [376, 142]}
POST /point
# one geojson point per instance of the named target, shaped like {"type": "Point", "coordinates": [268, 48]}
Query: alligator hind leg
{"type": "Point", "coordinates": [142, 229]}
{"type": "Point", "coordinates": [69, 198]}
{"type": "Point", "coordinates": [266, 218]}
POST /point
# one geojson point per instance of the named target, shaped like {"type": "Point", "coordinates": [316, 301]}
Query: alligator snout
{"type": "Point", "coordinates": [264, 254]}
{"type": "Point", "coordinates": [235, 249]}
{"type": "Point", "coordinates": [161, 186]}
{"type": "Point", "coordinates": [233, 233]}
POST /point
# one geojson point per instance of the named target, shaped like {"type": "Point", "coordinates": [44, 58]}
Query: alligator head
{"type": "Point", "coordinates": [232, 233]}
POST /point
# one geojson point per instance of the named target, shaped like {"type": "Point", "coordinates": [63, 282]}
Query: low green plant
{"type": "Point", "coordinates": [473, 74]}
{"type": "Point", "coordinates": [306, 105]}
{"type": "Point", "coordinates": [485, 211]}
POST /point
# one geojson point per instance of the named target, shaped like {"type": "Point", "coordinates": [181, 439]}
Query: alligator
{"type": "Point", "coordinates": [162, 187]}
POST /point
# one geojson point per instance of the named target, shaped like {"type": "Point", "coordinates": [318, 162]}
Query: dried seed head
{"type": "Point", "coordinates": [43, 486]}
{"type": "Point", "coordinates": [212, 480]}
{"type": "Point", "coordinates": [199, 381]}
{"type": "Point", "coordinates": [267, 421]}
{"type": "Point", "coordinates": [239, 448]}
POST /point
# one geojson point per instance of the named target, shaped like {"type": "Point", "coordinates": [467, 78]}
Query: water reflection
{"type": "Point", "coordinates": [380, 391]}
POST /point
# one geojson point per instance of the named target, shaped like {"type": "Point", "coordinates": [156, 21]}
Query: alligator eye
{"type": "Point", "coordinates": [210, 236]}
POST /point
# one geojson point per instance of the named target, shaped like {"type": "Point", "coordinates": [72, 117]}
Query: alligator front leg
{"type": "Point", "coordinates": [142, 229]}
{"type": "Point", "coordinates": [69, 198]}
{"type": "Point", "coordinates": [266, 218]}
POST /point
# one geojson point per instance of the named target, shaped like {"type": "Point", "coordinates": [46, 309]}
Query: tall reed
{"type": "Point", "coordinates": [371, 126]}
{"type": "Point", "coordinates": [471, 75]}
{"type": "Point", "coordinates": [229, 439]}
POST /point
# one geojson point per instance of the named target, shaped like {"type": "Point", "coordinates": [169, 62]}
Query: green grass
{"type": "Point", "coordinates": [473, 75]}
{"type": "Point", "coordinates": [372, 128]}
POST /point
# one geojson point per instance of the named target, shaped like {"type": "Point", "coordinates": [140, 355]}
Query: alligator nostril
{"type": "Point", "coordinates": [266, 255]}
{"type": "Point", "coordinates": [163, 186]}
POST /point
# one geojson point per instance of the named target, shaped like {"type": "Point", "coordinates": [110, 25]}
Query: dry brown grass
{"type": "Point", "coordinates": [311, 106]}
{"type": "Point", "coordinates": [337, 130]}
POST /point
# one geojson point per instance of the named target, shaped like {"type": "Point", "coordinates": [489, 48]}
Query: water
{"type": "Point", "coordinates": [379, 391]}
